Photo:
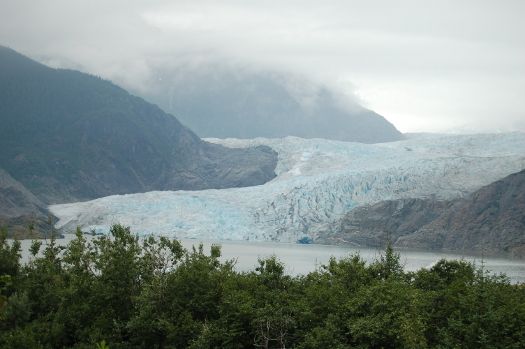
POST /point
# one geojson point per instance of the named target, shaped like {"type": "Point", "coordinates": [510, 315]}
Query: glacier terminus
{"type": "Point", "coordinates": [317, 182]}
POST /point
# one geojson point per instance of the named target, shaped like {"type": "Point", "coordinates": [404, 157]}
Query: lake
{"type": "Point", "coordinates": [303, 258]}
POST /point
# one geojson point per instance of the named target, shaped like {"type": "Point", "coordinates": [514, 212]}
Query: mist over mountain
{"type": "Point", "coordinates": [68, 136]}
{"type": "Point", "coordinates": [218, 100]}
{"type": "Point", "coordinates": [489, 220]}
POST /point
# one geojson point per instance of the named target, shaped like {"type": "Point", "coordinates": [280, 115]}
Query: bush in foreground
{"type": "Point", "coordinates": [124, 292]}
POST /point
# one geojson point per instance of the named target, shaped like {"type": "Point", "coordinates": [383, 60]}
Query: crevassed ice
{"type": "Point", "coordinates": [317, 182]}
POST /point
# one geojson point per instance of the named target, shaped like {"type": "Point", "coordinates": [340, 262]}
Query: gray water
{"type": "Point", "coordinates": [301, 259]}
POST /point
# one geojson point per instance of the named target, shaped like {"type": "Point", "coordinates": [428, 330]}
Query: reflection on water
{"type": "Point", "coordinates": [301, 259]}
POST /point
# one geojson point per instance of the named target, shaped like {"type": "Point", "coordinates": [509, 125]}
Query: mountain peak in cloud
{"type": "Point", "coordinates": [225, 101]}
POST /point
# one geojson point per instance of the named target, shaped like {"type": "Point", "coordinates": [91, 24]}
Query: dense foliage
{"type": "Point", "coordinates": [119, 291]}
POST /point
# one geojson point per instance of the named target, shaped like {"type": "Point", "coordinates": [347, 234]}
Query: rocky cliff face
{"type": "Point", "coordinates": [20, 209]}
{"type": "Point", "coordinates": [16, 200]}
{"type": "Point", "coordinates": [68, 136]}
{"type": "Point", "coordinates": [490, 220]}
{"type": "Point", "coordinates": [374, 225]}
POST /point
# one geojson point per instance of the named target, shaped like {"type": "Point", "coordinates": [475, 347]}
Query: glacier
{"type": "Point", "coordinates": [317, 182]}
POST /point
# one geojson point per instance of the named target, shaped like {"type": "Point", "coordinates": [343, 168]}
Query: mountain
{"type": "Point", "coordinates": [19, 209]}
{"type": "Point", "coordinates": [69, 136]}
{"type": "Point", "coordinates": [16, 200]}
{"type": "Point", "coordinates": [375, 225]}
{"type": "Point", "coordinates": [318, 182]}
{"type": "Point", "coordinates": [219, 101]}
{"type": "Point", "coordinates": [490, 220]}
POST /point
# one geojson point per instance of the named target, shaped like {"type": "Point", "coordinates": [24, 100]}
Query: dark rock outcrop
{"type": "Point", "coordinates": [490, 220]}
{"type": "Point", "coordinates": [374, 225]}
{"type": "Point", "coordinates": [22, 213]}
{"type": "Point", "coordinates": [16, 200]}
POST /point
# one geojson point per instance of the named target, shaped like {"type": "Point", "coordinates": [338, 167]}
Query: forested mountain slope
{"type": "Point", "coordinates": [69, 136]}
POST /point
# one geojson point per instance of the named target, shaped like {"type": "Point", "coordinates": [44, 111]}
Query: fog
{"type": "Point", "coordinates": [432, 66]}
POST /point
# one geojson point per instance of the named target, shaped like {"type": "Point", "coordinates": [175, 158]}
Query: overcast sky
{"type": "Point", "coordinates": [425, 65]}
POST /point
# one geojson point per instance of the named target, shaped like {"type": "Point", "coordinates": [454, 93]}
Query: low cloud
{"type": "Point", "coordinates": [426, 66]}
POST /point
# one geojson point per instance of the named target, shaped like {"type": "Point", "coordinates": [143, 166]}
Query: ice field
{"type": "Point", "coordinates": [317, 182]}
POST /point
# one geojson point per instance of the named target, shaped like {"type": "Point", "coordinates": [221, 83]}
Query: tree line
{"type": "Point", "coordinates": [119, 291]}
